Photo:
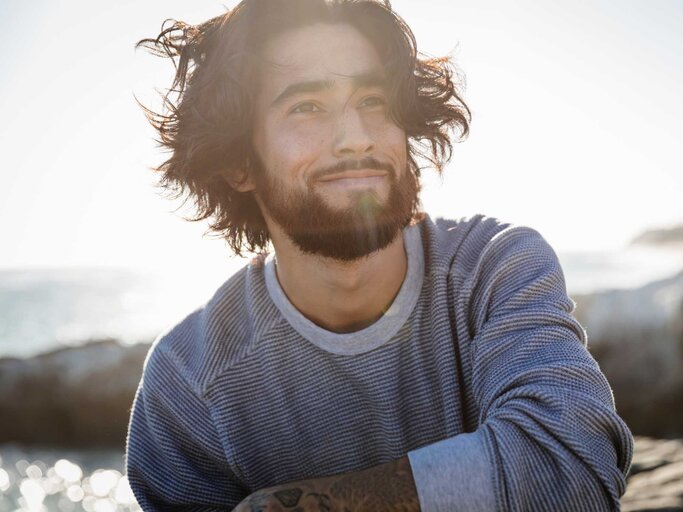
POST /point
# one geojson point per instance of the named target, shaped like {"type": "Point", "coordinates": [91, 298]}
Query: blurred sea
{"type": "Point", "coordinates": [44, 309]}
{"type": "Point", "coordinates": [41, 479]}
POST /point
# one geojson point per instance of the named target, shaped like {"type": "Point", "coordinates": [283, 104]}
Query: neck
{"type": "Point", "coordinates": [340, 296]}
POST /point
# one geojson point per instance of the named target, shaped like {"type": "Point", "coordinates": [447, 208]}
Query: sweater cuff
{"type": "Point", "coordinates": [454, 475]}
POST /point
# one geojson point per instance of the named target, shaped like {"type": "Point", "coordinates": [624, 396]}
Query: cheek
{"type": "Point", "coordinates": [393, 140]}
{"type": "Point", "coordinates": [290, 149]}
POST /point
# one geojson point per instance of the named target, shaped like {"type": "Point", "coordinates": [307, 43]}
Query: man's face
{"type": "Point", "coordinates": [334, 172]}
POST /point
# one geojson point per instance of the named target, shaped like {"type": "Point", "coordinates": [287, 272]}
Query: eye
{"type": "Point", "coordinates": [373, 101]}
{"type": "Point", "coordinates": [305, 108]}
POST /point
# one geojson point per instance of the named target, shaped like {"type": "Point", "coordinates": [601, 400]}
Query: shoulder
{"type": "Point", "coordinates": [464, 240]}
{"type": "Point", "coordinates": [478, 246]}
{"type": "Point", "coordinates": [215, 335]}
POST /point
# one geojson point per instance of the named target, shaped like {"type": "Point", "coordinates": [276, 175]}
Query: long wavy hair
{"type": "Point", "coordinates": [206, 118]}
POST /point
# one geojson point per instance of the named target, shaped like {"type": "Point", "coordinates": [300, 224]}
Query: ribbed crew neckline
{"type": "Point", "coordinates": [374, 335]}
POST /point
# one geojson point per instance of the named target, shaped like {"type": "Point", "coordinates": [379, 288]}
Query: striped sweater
{"type": "Point", "coordinates": [478, 372]}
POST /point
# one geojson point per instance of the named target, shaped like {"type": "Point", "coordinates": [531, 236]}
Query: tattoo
{"type": "Point", "coordinates": [258, 503]}
{"type": "Point", "coordinates": [323, 501]}
{"type": "Point", "coordinates": [386, 488]}
{"type": "Point", "coordinates": [288, 497]}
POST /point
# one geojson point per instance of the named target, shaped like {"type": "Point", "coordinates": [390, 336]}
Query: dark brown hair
{"type": "Point", "coordinates": [206, 120]}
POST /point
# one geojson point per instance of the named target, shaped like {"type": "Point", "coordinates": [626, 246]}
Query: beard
{"type": "Point", "coordinates": [365, 226]}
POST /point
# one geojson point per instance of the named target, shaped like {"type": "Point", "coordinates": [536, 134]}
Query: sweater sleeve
{"type": "Point", "coordinates": [549, 437]}
{"type": "Point", "coordinates": [174, 459]}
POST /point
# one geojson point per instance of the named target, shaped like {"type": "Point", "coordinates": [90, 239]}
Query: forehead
{"type": "Point", "coordinates": [323, 51]}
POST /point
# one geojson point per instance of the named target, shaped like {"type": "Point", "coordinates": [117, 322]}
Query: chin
{"type": "Point", "coordinates": [346, 245]}
{"type": "Point", "coordinates": [366, 201]}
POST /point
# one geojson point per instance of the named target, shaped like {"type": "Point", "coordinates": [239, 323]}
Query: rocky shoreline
{"type": "Point", "coordinates": [72, 397]}
{"type": "Point", "coordinates": [655, 481]}
{"type": "Point", "coordinates": [636, 335]}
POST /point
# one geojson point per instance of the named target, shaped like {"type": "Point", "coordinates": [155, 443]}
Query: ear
{"type": "Point", "coordinates": [242, 181]}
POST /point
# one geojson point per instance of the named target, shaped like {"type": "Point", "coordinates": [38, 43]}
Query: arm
{"type": "Point", "coordinates": [388, 487]}
{"type": "Point", "coordinates": [549, 437]}
{"type": "Point", "coordinates": [174, 459]}
{"type": "Point", "coordinates": [548, 429]}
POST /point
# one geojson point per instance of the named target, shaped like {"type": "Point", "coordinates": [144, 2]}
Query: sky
{"type": "Point", "coordinates": [576, 130]}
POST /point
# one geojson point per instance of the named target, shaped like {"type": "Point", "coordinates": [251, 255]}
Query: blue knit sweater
{"type": "Point", "coordinates": [478, 372]}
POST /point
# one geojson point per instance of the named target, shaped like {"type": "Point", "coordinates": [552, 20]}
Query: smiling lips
{"type": "Point", "coordinates": [359, 176]}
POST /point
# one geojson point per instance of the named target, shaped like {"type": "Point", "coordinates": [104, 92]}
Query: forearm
{"type": "Point", "coordinates": [387, 487]}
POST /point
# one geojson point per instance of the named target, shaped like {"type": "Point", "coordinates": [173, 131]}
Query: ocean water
{"type": "Point", "coordinates": [44, 479]}
{"type": "Point", "coordinates": [44, 309]}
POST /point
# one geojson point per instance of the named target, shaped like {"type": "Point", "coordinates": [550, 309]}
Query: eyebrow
{"type": "Point", "coordinates": [370, 79]}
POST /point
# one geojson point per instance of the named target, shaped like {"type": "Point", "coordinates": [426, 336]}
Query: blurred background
{"type": "Point", "coordinates": [577, 122]}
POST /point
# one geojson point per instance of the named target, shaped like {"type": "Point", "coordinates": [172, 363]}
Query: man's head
{"type": "Point", "coordinates": [309, 114]}
{"type": "Point", "coordinates": [332, 163]}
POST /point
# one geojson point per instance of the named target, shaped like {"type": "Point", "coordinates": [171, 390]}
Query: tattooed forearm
{"type": "Point", "coordinates": [288, 497]}
{"type": "Point", "coordinates": [386, 488]}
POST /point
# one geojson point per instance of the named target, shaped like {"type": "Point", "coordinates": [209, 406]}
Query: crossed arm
{"type": "Point", "coordinates": [388, 487]}
{"type": "Point", "coordinates": [548, 430]}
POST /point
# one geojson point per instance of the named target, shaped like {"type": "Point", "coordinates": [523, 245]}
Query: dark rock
{"type": "Point", "coordinates": [655, 481]}
{"type": "Point", "coordinates": [78, 396]}
{"type": "Point", "coordinates": [636, 335]}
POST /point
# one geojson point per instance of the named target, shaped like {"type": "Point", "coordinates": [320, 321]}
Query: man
{"type": "Point", "coordinates": [376, 359]}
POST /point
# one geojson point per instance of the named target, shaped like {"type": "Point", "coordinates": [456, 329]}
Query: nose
{"type": "Point", "coordinates": [352, 137]}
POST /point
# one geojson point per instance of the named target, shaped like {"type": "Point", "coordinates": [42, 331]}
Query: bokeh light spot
{"type": "Point", "coordinates": [34, 472]}
{"type": "Point", "coordinates": [69, 471]}
{"type": "Point", "coordinates": [75, 493]}
{"type": "Point", "coordinates": [4, 480]}
{"type": "Point", "coordinates": [104, 480]}
{"type": "Point", "coordinates": [33, 493]}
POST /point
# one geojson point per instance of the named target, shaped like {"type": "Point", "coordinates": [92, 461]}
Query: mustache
{"type": "Point", "coordinates": [353, 165]}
